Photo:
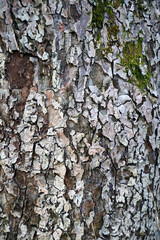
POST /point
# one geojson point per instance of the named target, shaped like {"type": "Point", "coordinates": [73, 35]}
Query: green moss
{"type": "Point", "coordinates": [113, 30]}
{"type": "Point", "coordinates": [133, 59]}
{"type": "Point", "coordinates": [98, 14]}
{"type": "Point", "coordinates": [107, 50]}
{"type": "Point", "coordinates": [3, 224]}
{"type": "Point", "coordinates": [99, 53]}
{"type": "Point", "coordinates": [101, 7]}
{"type": "Point", "coordinates": [140, 6]}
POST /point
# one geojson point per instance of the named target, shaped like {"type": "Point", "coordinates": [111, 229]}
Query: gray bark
{"type": "Point", "coordinates": [79, 142]}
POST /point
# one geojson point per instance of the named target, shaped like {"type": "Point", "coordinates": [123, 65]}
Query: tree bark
{"type": "Point", "coordinates": [79, 119]}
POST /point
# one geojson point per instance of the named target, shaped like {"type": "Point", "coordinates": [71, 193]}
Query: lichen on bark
{"type": "Point", "coordinates": [79, 143]}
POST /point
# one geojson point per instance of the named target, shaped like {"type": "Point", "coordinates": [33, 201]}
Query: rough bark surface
{"type": "Point", "coordinates": [79, 134]}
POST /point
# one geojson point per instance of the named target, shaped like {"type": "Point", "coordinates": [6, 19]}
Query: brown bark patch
{"type": "Point", "coordinates": [88, 206]}
{"type": "Point", "coordinates": [20, 74]}
{"type": "Point", "coordinates": [20, 70]}
{"type": "Point", "coordinates": [96, 193]}
{"type": "Point", "coordinates": [98, 222]}
{"type": "Point", "coordinates": [69, 180]}
{"type": "Point", "coordinates": [74, 13]}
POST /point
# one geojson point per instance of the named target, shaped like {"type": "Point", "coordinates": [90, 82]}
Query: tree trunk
{"type": "Point", "coordinates": [79, 119]}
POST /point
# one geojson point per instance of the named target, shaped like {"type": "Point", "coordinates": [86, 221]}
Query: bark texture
{"type": "Point", "coordinates": [79, 119]}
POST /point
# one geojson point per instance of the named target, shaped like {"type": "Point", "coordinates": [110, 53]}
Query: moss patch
{"type": "Point", "coordinates": [140, 6]}
{"type": "Point", "coordinates": [105, 9]}
{"type": "Point", "coordinates": [133, 60]}
{"type": "Point", "coordinates": [98, 14]}
{"type": "Point", "coordinates": [100, 8]}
